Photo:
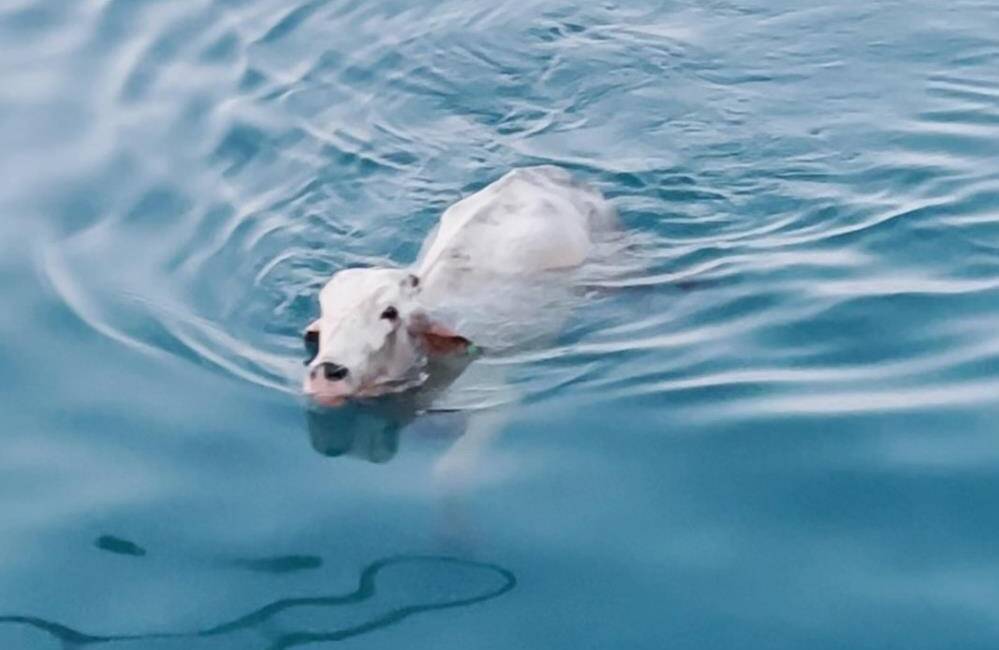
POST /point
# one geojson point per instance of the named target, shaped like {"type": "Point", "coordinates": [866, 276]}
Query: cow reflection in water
{"type": "Point", "coordinates": [372, 433]}
{"type": "Point", "coordinates": [371, 430]}
{"type": "Point", "coordinates": [372, 438]}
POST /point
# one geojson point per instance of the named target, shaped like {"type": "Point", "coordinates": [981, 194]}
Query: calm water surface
{"type": "Point", "coordinates": [774, 427]}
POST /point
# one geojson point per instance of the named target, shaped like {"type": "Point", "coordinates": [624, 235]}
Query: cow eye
{"type": "Point", "coordinates": [311, 340]}
{"type": "Point", "coordinates": [390, 313]}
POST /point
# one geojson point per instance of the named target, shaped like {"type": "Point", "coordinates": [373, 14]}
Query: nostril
{"type": "Point", "coordinates": [333, 371]}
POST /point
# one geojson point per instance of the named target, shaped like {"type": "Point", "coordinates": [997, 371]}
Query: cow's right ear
{"type": "Point", "coordinates": [311, 340]}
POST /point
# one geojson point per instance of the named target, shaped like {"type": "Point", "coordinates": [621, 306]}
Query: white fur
{"type": "Point", "coordinates": [530, 221]}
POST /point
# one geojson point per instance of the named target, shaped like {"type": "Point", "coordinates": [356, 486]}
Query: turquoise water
{"type": "Point", "coordinates": [777, 430]}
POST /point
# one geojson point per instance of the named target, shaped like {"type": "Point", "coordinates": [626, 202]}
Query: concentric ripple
{"type": "Point", "coordinates": [810, 224]}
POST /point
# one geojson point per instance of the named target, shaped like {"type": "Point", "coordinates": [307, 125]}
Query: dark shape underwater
{"type": "Point", "coordinates": [366, 589]}
{"type": "Point", "coordinates": [119, 546]}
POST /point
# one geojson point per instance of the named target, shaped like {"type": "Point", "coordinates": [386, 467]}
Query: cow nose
{"type": "Point", "coordinates": [333, 371]}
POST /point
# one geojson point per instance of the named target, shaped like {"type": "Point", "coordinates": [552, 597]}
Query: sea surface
{"type": "Point", "coordinates": [775, 425]}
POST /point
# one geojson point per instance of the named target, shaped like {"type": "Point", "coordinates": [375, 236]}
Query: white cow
{"type": "Point", "coordinates": [385, 330]}
{"type": "Point", "coordinates": [379, 327]}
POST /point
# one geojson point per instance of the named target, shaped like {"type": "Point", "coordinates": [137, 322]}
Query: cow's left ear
{"type": "Point", "coordinates": [438, 338]}
{"type": "Point", "coordinates": [443, 340]}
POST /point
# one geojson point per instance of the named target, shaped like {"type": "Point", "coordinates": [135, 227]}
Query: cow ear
{"type": "Point", "coordinates": [438, 338]}
{"type": "Point", "coordinates": [410, 284]}
{"type": "Point", "coordinates": [442, 340]}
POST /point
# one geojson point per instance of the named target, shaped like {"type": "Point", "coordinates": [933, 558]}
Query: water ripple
{"type": "Point", "coordinates": [749, 222]}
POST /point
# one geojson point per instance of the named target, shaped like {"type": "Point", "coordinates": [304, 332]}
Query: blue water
{"type": "Point", "coordinates": [774, 427]}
